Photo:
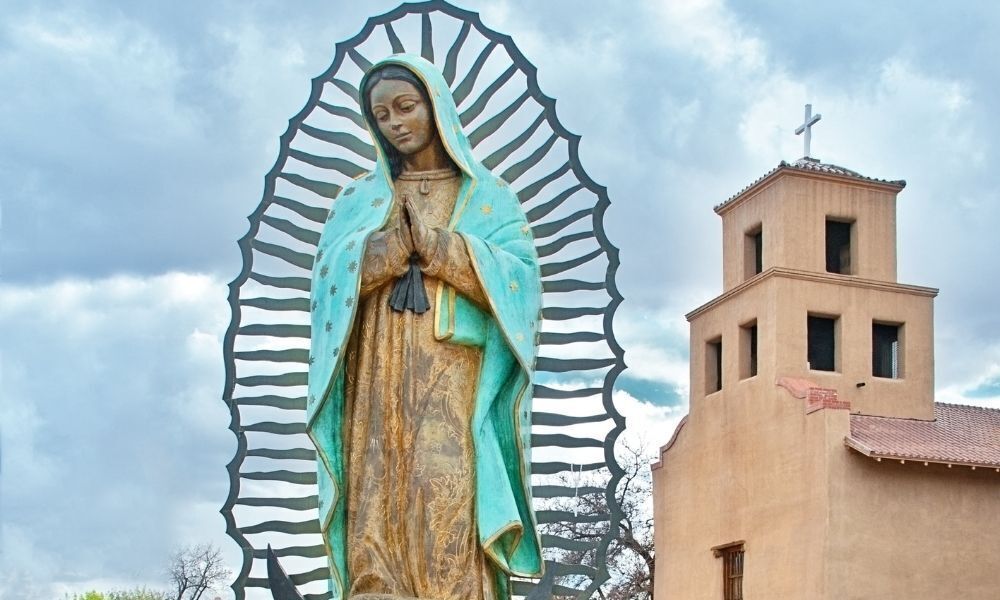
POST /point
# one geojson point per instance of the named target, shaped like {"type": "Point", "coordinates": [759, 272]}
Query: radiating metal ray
{"type": "Point", "coordinates": [462, 91]}
{"type": "Point", "coordinates": [451, 61]}
{"type": "Point", "coordinates": [426, 37]}
{"type": "Point", "coordinates": [325, 152]}
{"type": "Point", "coordinates": [506, 150]}
{"type": "Point", "coordinates": [342, 111]}
{"type": "Point", "coordinates": [342, 139]}
{"type": "Point", "coordinates": [301, 234]}
{"type": "Point", "coordinates": [397, 46]}
{"type": "Point", "coordinates": [494, 123]}
{"type": "Point", "coordinates": [477, 107]}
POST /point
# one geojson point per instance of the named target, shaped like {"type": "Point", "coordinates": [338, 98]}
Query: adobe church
{"type": "Point", "coordinates": [814, 462]}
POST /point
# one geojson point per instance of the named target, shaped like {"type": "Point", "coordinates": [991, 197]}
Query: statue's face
{"type": "Point", "coordinates": [403, 116]}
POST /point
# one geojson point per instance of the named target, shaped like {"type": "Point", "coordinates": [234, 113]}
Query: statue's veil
{"type": "Point", "coordinates": [514, 131]}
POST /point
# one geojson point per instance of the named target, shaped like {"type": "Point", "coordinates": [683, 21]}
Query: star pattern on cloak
{"type": "Point", "coordinates": [351, 244]}
{"type": "Point", "coordinates": [312, 359]}
{"type": "Point", "coordinates": [487, 210]}
{"type": "Point", "coordinates": [371, 177]}
{"type": "Point", "coordinates": [315, 304]}
{"type": "Point", "coordinates": [332, 214]}
{"type": "Point", "coordinates": [333, 290]}
{"type": "Point", "coordinates": [328, 326]}
{"type": "Point", "coordinates": [526, 231]}
{"type": "Point", "coordinates": [324, 271]}
{"type": "Point", "coordinates": [377, 202]}
{"type": "Point", "coordinates": [335, 352]}
{"type": "Point", "coordinates": [349, 302]}
{"type": "Point", "coordinates": [349, 191]}
{"type": "Point", "coordinates": [519, 337]}
{"type": "Point", "coordinates": [319, 254]}
{"type": "Point", "coordinates": [353, 266]}
{"type": "Point", "coordinates": [514, 287]}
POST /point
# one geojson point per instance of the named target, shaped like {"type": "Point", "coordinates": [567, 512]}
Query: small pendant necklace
{"type": "Point", "coordinates": [426, 177]}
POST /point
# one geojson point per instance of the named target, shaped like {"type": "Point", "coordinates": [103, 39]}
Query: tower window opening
{"type": "Point", "coordinates": [713, 366]}
{"type": "Point", "coordinates": [838, 246]}
{"type": "Point", "coordinates": [886, 359]}
{"type": "Point", "coordinates": [753, 252]}
{"type": "Point", "coordinates": [748, 350]}
{"type": "Point", "coordinates": [822, 343]}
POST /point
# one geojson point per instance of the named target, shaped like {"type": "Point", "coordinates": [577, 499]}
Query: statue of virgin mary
{"type": "Point", "coordinates": [426, 295]}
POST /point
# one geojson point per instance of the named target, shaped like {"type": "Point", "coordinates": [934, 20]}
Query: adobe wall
{"type": "Point", "coordinates": [752, 468]}
{"type": "Point", "coordinates": [912, 531]}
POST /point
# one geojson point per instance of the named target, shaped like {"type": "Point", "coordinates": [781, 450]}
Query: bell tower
{"type": "Point", "coordinates": [810, 295]}
{"type": "Point", "coordinates": [814, 462]}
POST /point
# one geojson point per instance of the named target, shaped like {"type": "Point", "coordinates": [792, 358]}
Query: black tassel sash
{"type": "Point", "coordinates": [409, 292]}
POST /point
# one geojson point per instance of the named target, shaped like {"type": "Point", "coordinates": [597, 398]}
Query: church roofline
{"type": "Point", "coordinates": [663, 449]}
{"type": "Point", "coordinates": [833, 278]}
{"type": "Point", "coordinates": [959, 435]}
{"type": "Point", "coordinates": [809, 166]}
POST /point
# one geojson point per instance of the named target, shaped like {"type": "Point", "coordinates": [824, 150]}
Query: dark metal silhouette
{"type": "Point", "coordinates": [281, 586]}
{"type": "Point", "coordinates": [324, 147]}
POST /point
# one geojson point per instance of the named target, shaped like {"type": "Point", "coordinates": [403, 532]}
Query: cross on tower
{"type": "Point", "coordinates": [806, 127]}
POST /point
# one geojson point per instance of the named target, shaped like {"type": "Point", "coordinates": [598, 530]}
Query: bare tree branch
{"type": "Point", "coordinates": [196, 569]}
{"type": "Point", "coordinates": [630, 557]}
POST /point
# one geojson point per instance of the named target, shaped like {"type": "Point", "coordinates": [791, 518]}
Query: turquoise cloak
{"type": "Point", "coordinates": [489, 217]}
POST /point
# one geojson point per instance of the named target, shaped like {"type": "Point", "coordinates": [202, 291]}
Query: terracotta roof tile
{"type": "Point", "coordinates": [814, 166]}
{"type": "Point", "coordinates": [967, 435]}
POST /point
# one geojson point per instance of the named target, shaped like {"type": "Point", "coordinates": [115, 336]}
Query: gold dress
{"type": "Point", "coordinates": [411, 526]}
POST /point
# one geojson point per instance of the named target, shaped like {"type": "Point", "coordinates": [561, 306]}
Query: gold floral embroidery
{"type": "Point", "coordinates": [408, 416]}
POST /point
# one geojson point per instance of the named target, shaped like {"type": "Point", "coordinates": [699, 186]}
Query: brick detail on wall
{"type": "Point", "coordinates": [819, 398]}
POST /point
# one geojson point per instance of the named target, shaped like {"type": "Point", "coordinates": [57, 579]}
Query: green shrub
{"type": "Point", "coordinates": [132, 594]}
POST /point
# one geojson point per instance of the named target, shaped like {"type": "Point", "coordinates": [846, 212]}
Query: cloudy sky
{"type": "Point", "coordinates": [135, 141]}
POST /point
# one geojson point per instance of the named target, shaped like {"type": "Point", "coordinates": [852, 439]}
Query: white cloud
{"type": "Point", "coordinates": [709, 31]}
{"type": "Point", "coordinates": [114, 432]}
{"type": "Point", "coordinates": [116, 61]}
{"type": "Point", "coordinates": [648, 426]}
{"type": "Point", "coordinates": [981, 388]}
{"type": "Point", "coordinates": [267, 76]}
